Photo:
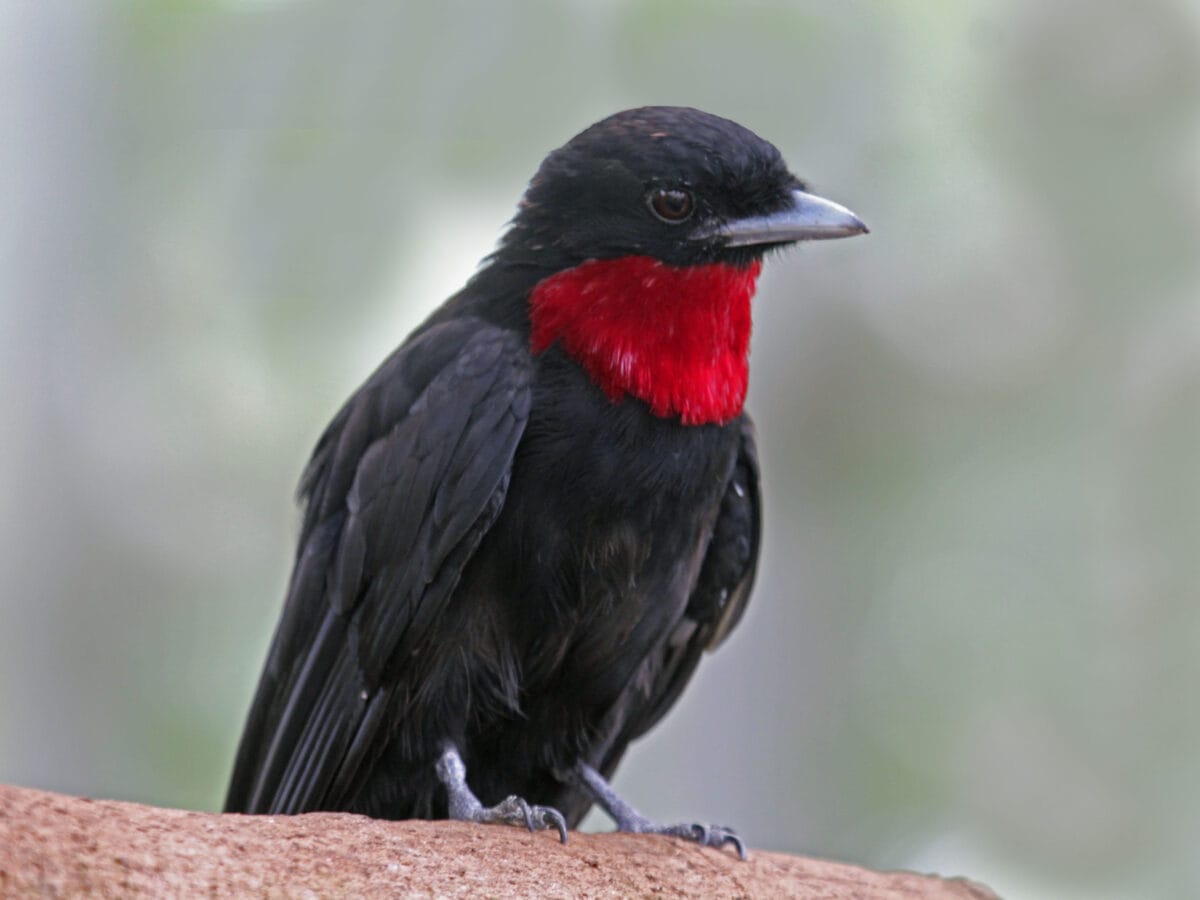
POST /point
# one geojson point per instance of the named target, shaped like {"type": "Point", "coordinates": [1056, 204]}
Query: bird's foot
{"type": "Point", "coordinates": [515, 811]}
{"type": "Point", "coordinates": [465, 806]}
{"type": "Point", "coordinates": [629, 819]}
{"type": "Point", "coordinates": [704, 835]}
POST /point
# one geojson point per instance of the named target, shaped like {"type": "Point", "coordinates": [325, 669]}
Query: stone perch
{"type": "Point", "coordinates": [52, 845]}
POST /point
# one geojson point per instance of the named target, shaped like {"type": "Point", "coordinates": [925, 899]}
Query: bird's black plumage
{"type": "Point", "coordinates": [496, 555]}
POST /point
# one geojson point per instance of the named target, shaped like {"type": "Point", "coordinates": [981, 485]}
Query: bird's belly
{"type": "Point", "coordinates": [598, 640]}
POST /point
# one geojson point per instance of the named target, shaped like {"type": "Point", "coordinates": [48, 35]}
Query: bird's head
{"type": "Point", "coordinates": [652, 225]}
{"type": "Point", "coordinates": [673, 183]}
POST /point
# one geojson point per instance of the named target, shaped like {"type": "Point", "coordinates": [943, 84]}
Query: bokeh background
{"type": "Point", "coordinates": [974, 644]}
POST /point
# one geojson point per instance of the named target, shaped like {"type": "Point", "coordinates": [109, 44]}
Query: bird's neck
{"type": "Point", "coordinates": [676, 337]}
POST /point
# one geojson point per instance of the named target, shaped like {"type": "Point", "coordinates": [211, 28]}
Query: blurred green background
{"type": "Point", "coordinates": [973, 647]}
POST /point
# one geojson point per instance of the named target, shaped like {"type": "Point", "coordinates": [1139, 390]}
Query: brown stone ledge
{"type": "Point", "coordinates": [55, 845]}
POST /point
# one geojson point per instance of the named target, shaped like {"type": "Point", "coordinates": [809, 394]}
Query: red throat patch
{"type": "Point", "coordinates": [676, 337]}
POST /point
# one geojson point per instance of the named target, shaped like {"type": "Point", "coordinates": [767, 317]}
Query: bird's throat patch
{"type": "Point", "coordinates": [676, 337]}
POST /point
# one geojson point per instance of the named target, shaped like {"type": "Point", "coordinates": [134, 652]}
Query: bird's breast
{"type": "Point", "coordinates": [674, 337]}
{"type": "Point", "coordinates": [608, 514]}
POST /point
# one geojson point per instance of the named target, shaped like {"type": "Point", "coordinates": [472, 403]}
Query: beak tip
{"type": "Point", "coordinates": [852, 226]}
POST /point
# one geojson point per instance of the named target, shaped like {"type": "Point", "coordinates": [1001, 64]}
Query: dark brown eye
{"type": "Point", "coordinates": [671, 204]}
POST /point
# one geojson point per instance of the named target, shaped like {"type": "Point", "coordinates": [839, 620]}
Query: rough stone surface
{"type": "Point", "coordinates": [55, 845]}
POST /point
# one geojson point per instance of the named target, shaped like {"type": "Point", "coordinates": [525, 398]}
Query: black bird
{"type": "Point", "coordinates": [522, 532]}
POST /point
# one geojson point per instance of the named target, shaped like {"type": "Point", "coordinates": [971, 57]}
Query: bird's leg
{"type": "Point", "coordinates": [465, 806]}
{"type": "Point", "coordinates": [629, 819]}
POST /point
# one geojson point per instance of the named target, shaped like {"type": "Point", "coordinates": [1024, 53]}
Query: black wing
{"type": "Point", "coordinates": [402, 487]}
{"type": "Point", "coordinates": [715, 606]}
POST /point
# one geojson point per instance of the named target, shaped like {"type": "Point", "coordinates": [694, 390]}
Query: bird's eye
{"type": "Point", "coordinates": [671, 204]}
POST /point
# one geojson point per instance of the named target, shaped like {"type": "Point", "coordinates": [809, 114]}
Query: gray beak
{"type": "Point", "coordinates": [809, 218]}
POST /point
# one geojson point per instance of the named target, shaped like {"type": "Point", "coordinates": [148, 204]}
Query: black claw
{"type": "Point", "coordinates": [738, 845]}
{"type": "Point", "coordinates": [542, 817]}
{"type": "Point", "coordinates": [560, 823]}
{"type": "Point", "coordinates": [526, 811]}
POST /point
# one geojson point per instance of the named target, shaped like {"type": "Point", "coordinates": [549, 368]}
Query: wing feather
{"type": "Point", "coordinates": [403, 485]}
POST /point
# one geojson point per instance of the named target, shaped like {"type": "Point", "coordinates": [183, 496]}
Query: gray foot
{"type": "Point", "coordinates": [629, 819]}
{"type": "Point", "coordinates": [465, 806]}
{"type": "Point", "coordinates": [705, 835]}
